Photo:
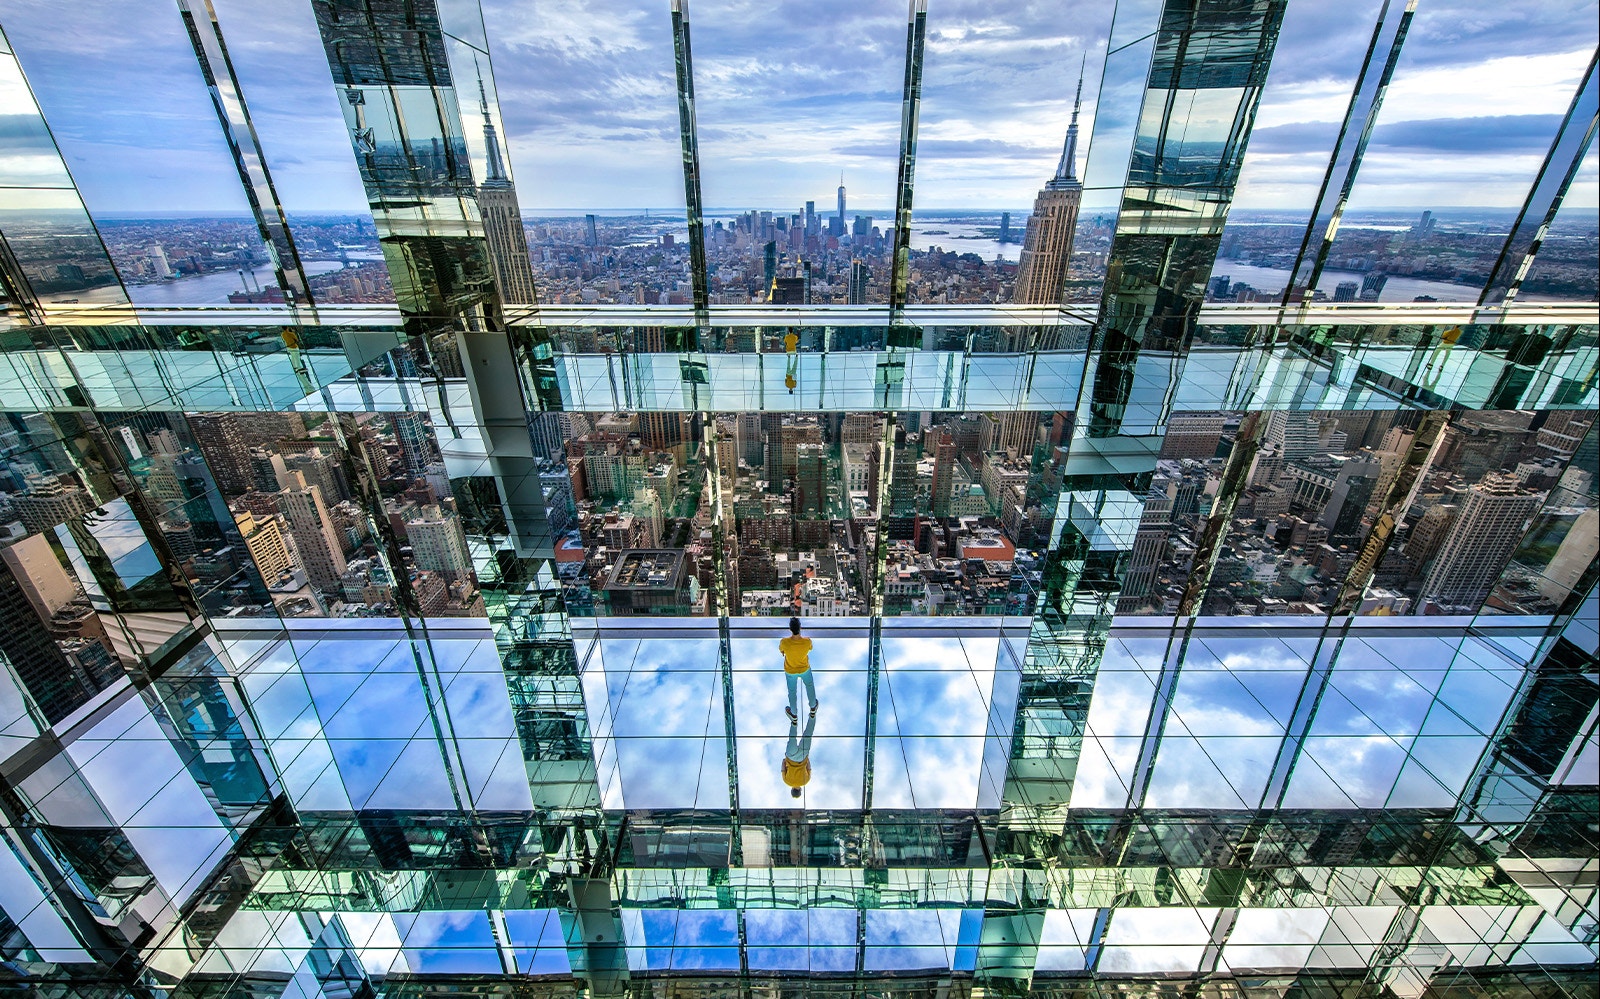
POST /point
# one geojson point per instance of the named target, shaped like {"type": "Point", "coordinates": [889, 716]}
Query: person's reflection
{"type": "Point", "coordinates": [791, 346]}
{"type": "Point", "coordinates": [797, 758]}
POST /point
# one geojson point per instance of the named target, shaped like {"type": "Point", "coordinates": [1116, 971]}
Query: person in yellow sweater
{"type": "Point", "coordinates": [796, 651]}
{"type": "Point", "coordinates": [797, 758]}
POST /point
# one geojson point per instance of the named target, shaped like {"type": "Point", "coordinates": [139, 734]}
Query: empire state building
{"type": "Point", "coordinates": [1047, 245]}
{"type": "Point", "coordinates": [502, 220]}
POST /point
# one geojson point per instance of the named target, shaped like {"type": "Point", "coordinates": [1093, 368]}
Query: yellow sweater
{"type": "Point", "coordinates": [796, 774]}
{"type": "Point", "coordinates": [796, 654]}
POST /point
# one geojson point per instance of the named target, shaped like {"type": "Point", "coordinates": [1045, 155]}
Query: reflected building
{"type": "Point", "coordinates": [1046, 257]}
{"type": "Point", "coordinates": [502, 218]}
{"type": "Point", "coordinates": [1486, 530]}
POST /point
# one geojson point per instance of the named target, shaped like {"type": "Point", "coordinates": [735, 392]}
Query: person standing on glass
{"type": "Point", "coordinates": [796, 651]}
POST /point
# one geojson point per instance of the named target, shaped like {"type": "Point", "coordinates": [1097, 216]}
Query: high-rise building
{"type": "Point", "coordinates": [858, 282]}
{"type": "Point", "coordinates": [840, 217]}
{"type": "Point", "coordinates": [227, 452]}
{"type": "Point", "coordinates": [56, 683]}
{"type": "Point", "coordinates": [46, 501]}
{"type": "Point", "coordinates": [417, 449]}
{"type": "Point", "coordinates": [315, 540]}
{"type": "Point", "coordinates": [944, 468]}
{"type": "Point", "coordinates": [811, 481]}
{"type": "Point", "coordinates": [1199, 638]}
{"type": "Point", "coordinates": [1046, 257]}
{"type": "Point", "coordinates": [437, 544]}
{"type": "Point", "coordinates": [502, 217]}
{"type": "Point", "coordinates": [1194, 435]}
{"type": "Point", "coordinates": [1491, 521]}
{"type": "Point", "coordinates": [1294, 435]}
{"type": "Point", "coordinates": [264, 540]}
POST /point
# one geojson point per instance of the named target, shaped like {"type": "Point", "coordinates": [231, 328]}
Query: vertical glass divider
{"type": "Point", "coordinates": [690, 139]}
{"type": "Point", "coordinates": [1544, 199]}
{"type": "Point", "coordinates": [910, 108]}
{"type": "Point", "coordinates": [205, 34]}
{"type": "Point", "coordinates": [1365, 101]}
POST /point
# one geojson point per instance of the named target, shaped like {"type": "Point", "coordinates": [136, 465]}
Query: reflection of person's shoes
{"type": "Point", "coordinates": [792, 716]}
{"type": "Point", "coordinates": [813, 710]}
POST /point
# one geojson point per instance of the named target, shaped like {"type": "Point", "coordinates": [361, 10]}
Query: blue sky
{"type": "Point", "coordinates": [789, 94]}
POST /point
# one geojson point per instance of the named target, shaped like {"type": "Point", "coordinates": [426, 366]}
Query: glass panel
{"type": "Point", "coordinates": [1320, 52]}
{"type": "Point", "coordinates": [277, 56]}
{"type": "Point", "coordinates": [41, 216]}
{"type": "Point", "coordinates": [1569, 257]}
{"type": "Point", "coordinates": [1476, 99]}
{"type": "Point", "coordinates": [1003, 70]}
{"type": "Point", "coordinates": [122, 91]}
{"type": "Point", "coordinates": [821, 127]}
{"type": "Point", "coordinates": [591, 127]}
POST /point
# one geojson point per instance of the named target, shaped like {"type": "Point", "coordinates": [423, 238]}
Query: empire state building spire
{"type": "Point", "coordinates": [1066, 170]}
{"type": "Point", "coordinates": [491, 138]}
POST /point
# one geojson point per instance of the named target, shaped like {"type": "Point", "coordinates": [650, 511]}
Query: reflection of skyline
{"type": "Point", "coordinates": [1321, 482]}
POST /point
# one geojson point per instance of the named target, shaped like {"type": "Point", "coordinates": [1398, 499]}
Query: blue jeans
{"type": "Point", "coordinates": [793, 680]}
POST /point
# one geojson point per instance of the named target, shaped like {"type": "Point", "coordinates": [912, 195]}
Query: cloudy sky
{"type": "Point", "coordinates": [789, 96]}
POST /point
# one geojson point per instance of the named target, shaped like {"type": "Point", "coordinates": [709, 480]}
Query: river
{"type": "Point", "coordinates": [214, 288]}
{"type": "Point", "coordinates": [1396, 289]}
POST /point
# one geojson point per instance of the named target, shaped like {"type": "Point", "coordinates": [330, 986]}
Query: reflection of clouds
{"type": "Point", "coordinates": [801, 940]}
{"type": "Point", "coordinates": [536, 937]}
{"type": "Point", "coordinates": [662, 687]}
{"type": "Point", "coordinates": [1156, 940]}
{"type": "Point", "coordinates": [913, 939]}
{"type": "Point", "coordinates": [448, 942]}
{"type": "Point", "coordinates": [1226, 724]}
{"type": "Point", "coordinates": [138, 128]}
{"type": "Point", "coordinates": [659, 735]}
{"type": "Point", "coordinates": [673, 773]}
{"type": "Point", "coordinates": [926, 772]}
{"type": "Point", "coordinates": [1361, 769]}
{"type": "Point", "coordinates": [140, 780]}
{"type": "Point", "coordinates": [681, 939]}
{"type": "Point", "coordinates": [1186, 775]}
{"type": "Point", "coordinates": [933, 712]}
{"type": "Point", "coordinates": [1105, 771]}
{"type": "Point", "coordinates": [375, 939]}
{"type": "Point", "coordinates": [1064, 939]}
{"type": "Point", "coordinates": [1271, 939]}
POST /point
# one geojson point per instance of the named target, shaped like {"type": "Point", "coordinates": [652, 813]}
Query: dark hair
{"type": "Point", "coordinates": [794, 792]}
{"type": "Point", "coordinates": [794, 625]}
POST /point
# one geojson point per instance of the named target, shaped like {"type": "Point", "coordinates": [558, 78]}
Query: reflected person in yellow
{"type": "Point", "coordinates": [796, 651]}
{"type": "Point", "coordinates": [791, 345]}
{"type": "Point", "coordinates": [797, 758]}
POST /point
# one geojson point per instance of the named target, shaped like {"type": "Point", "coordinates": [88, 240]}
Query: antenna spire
{"type": "Point", "coordinates": [1067, 169]}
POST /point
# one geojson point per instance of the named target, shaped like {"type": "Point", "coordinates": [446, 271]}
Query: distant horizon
{"type": "Point", "coordinates": [132, 215]}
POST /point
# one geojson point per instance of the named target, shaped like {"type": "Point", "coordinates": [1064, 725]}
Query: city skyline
{"type": "Point", "coordinates": [1481, 141]}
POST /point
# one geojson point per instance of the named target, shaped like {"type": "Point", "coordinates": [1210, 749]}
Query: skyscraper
{"type": "Point", "coordinates": [841, 202]}
{"type": "Point", "coordinates": [315, 540]}
{"type": "Point", "coordinates": [1485, 533]}
{"type": "Point", "coordinates": [858, 283]}
{"type": "Point", "coordinates": [944, 466]}
{"type": "Point", "coordinates": [502, 218]}
{"type": "Point", "coordinates": [1047, 244]}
